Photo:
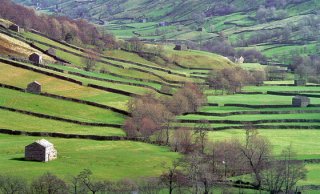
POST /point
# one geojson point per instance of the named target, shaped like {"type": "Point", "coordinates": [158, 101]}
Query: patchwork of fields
{"type": "Point", "coordinates": [74, 101]}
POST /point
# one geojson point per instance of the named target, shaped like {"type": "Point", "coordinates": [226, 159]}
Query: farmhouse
{"type": "Point", "coordinates": [51, 52]}
{"type": "Point", "coordinates": [300, 101]}
{"type": "Point", "coordinates": [35, 58]}
{"type": "Point", "coordinates": [300, 82]}
{"type": "Point", "coordinates": [34, 87]}
{"type": "Point", "coordinates": [41, 150]}
{"type": "Point", "coordinates": [180, 48]}
{"type": "Point", "coordinates": [14, 27]}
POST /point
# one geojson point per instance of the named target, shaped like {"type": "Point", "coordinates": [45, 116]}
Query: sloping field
{"type": "Point", "coordinates": [107, 160]}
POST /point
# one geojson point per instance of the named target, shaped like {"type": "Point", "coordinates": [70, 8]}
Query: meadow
{"type": "Point", "coordinates": [112, 160]}
{"type": "Point", "coordinates": [115, 160]}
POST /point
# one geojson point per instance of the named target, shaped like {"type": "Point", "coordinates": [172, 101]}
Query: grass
{"type": "Point", "coordinates": [280, 88]}
{"type": "Point", "coordinates": [106, 159]}
{"type": "Point", "coordinates": [21, 78]}
{"type": "Point", "coordinates": [259, 99]}
{"type": "Point", "coordinates": [304, 142]}
{"type": "Point", "coordinates": [11, 46]}
{"type": "Point", "coordinates": [253, 117]}
{"type": "Point", "coordinates": [313, 177]}
{"type": "Point", "coordinates": [34, 124]}
{"type": "Point", "coordinates": [55, 107]}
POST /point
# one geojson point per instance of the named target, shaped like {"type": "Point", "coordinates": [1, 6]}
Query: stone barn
{"type": "Point", "coordinates": [180, 48]}
{"type": "Point", "coordinates": [300, 82]}
{"type": "Point", "coordinates": [239, 60]}
{"type": "Point", "coordinates": [35, 58]}
{"type": "Point", "coordinates": [162, 24]}
{"type": "Point", "coordinates": [14, 27]}
{"type": "Point", "coordinates": [51, 51]}
{"type": "Point", "coordinates": [41, 150]}
{"type": "Point", "coordinates": [300, 101]}
{"type": "Point", "coordinates": [34, 87]}
{"type": "Point", "coordinates": [201, 29]}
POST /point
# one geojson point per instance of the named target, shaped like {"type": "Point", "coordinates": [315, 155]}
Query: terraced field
{"type": "Point", "coordinates": [79, 104]}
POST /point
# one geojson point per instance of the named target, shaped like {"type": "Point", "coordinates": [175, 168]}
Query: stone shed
{"type": "Point", "coordinates": [300, 101]}
{"type": "Point", "coordinates": [14, 27]}
{"type": "Point", "coordinates": [41, 150]}
{"type": "Point", "coordinates": [201, 29]}
{"type": "Point", "coordinates": [162, 24]}
{"type": "Point", "coordinates": [180, 48]}
{"type": "Point", "coordinates": [239, 60]}
{"type": "Point", "coordinates": [35, 58]}
{"type": "Point", "coordinates": [34, 87]}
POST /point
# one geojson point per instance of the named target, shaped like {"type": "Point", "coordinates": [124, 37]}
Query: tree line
{"type": "Point", "coordinates": [233, 79]}
{"type": "Point", "coordinates": [58, 27]}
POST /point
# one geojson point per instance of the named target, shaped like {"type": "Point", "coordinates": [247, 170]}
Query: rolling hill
{"type": "Point", "coordinates": [83, 112]}
{"type": "Point", "coordinates": [278, 29]}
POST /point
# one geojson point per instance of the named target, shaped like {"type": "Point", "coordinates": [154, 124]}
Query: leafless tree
{"type": "Point", "coordinates": [49, 184]}
{"type": "Point", "coordinates": [12, 185]}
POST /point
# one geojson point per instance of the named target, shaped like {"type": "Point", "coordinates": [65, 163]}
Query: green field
{"type": "Point", "coordinates": [107, 160]}
{"type": "Point", "coordinates": [60, 108]}
{"type": "Point", "coordinates": [304, 142]}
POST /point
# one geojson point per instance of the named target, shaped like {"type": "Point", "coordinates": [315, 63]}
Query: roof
{"type": "Point", "coordinates": [36, 54]}
{"type": "Point", "coordinates": [301, 97]}
{"type": "Point", "coordinates": [35, 82]}
{"type": "Point", "coordinates": [44, 143]}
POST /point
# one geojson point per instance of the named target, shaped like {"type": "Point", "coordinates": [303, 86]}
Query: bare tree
{"type": "Point", "coordinates": [182, 141]}
{"type": "Point", "coordinates": [49, 184]}
{"type": "Point", "coordinates": [294, 170]}
{"type": "Point", "coordinates": [90, 61]}
{"type": "Point", "coordinates": [12, 185]}
{"type": "Point", "coordinates": [86, 180]}
{"type": "Point", "coordinates": [173, 178]}
{"type": "Point", "coordinates": [201, 134]}
{"type": "Point", "coordinates": [256, 152]}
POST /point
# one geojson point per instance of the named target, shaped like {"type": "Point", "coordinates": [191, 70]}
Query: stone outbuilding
{"type": "Point", "coordinates": [34, 87]}
{"type": "Point", "coordinates": [300, 101]}
{"type": "Point", "coordinates": [162, 24]}
{"type": "Point", "coordinates": [300, 82]}
{"type": "Point", "coordinates": [14, 27]}
{"type": "Point", "coordinates": [35, 58]}
{"type": "Point", "coordinates": [180, 48]}
{"type": "Point", "coordinates": [51, 52]}
{"type": "Point", "coordinates": [239, 60]}
{"type": "Point", "coordinates": [41, 150]}
{"type": "Point", "coordinates": [201, 29]}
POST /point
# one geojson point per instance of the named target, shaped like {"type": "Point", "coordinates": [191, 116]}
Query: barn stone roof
{"type": "Point", "coordinates": [44, 143]}
{"type": "Point", "coordinates": [35, 82]}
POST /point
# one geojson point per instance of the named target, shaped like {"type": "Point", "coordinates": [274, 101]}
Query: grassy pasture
{"type": "Point", "coordinates": [304, 142]}
{"type": "Point", "coordinates": [253, 117]}
{"type": "Point", "coordinates": [227, 109]}
{"type": "Point", "coordinates": [258, 99]}
{"type": "Point", "coordinates": [55, 107]}
{"type": "Point", "coordinates": [11, 46]}
{"type": "Point", "coordinates": [21, 77]}
{"type": "Point", "coordinates": [107, 159]}
{"type": "Point", "coordinates": [34, 124]}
